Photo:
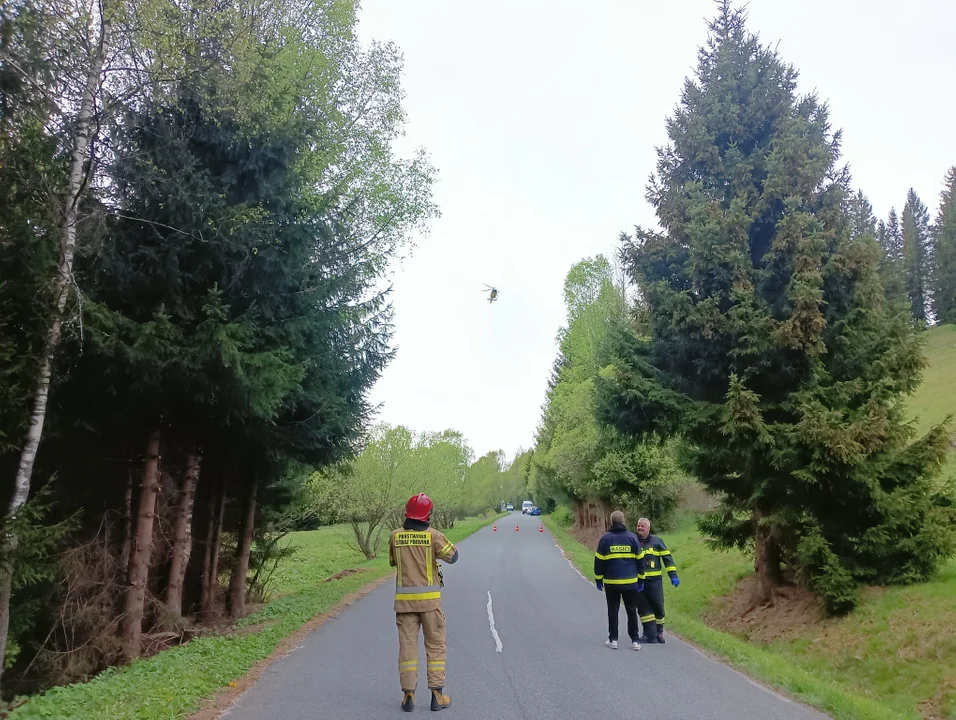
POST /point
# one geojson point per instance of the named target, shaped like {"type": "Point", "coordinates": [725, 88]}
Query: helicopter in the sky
{"type": "Point", "coordinates": [492, 292]}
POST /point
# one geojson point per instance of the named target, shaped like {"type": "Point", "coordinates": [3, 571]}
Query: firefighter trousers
{"type": "Point", "coordinates": [614, 597]}
{"type": "Point", "coordinates": [650, 604]}
{"type": "Point", "coordinates": [432, 624]}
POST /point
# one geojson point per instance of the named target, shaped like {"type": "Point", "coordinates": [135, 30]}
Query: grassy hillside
{"type": "Point", "coordinates": [936, 397]}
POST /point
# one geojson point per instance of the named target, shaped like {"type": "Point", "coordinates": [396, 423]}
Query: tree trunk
{"type": "Point", "coordinates": [237, 585]}
{"type": "Point", "coordinates": [182, 534]}
{"type": "Point", "coordinates": [211, 577]}
{"type": "Point", "coordinates": [211, 516]}
{"type": "Point", "coordinates": [131, 627]}
{"type": "Point", "coordinates": [766, 563]}
{"type": "Point", "coordinates": [127, 519]}
{"type": "Point", "coordinates": [85, 126]}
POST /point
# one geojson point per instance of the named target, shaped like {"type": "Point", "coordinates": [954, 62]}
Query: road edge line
{"type": "Point", "coordinates": [218, 704]}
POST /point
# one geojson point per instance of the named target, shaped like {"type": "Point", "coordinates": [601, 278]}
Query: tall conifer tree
{"type": "Point", "coordinates": [890, 237]}
{"type": "Point", "coordinates": [917, 254]}
{"type": "Point", "coordinates": [771, 350]}
{"type": "Point", "coordinates": [944, 244]}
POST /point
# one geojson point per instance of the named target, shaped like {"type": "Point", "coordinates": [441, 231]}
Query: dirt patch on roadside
{"type": "Point", "coordinates": [212, 708]}
{"type": "Point", "coordinates": [796, 612]}
{"type": "Point", "coordinates": [589, 536]}
{"type": "Point", "coordinates": [344, 573]}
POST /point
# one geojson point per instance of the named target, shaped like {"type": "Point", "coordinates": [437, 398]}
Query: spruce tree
{"type": "Point", "coordinates": [771, 351]}
{"type": "Point", "coordinates": [862, 220]}
{"type": "Point", "coordinates": [916, 255]}
{"type": "Point", "coordinates": [944, 254]}
{"type": "Point", "coordinates": [892, 271]}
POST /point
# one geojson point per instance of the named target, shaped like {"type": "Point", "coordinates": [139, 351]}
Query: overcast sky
{"type": "Point", "coordinates": [542, 117]}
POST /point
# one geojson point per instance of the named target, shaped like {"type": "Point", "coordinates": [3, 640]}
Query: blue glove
{"type": "Point", "coordinates": [675, 581]}
{"type": "Point", "coordinates": [640, 586]}
{"type": "Point", "coordinates": [599, 584]}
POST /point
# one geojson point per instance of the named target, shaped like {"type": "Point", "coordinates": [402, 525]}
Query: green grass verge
{"type": "Point", "coordinates": [706, 574]}
{"type": "Point", "coordinates": [172, 684]}
{"type": "Point", "coordinates": [935, 398]}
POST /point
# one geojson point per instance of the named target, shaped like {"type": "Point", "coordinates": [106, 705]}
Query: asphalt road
{"type": "Point", "coordinates": [552, 662]}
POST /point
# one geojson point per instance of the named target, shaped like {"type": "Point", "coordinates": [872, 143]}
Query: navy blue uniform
{"type": "Point", "coordinates": [618, 569]}
{"type": "Point", "coordinates": [657, 561]}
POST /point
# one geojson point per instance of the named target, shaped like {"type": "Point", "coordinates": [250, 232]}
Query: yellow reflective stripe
{"type": "Point", "coordinates": [408, 663]}
{"type": "Point", "coordinates": [445, 549]}
{"type": "Point", "coordinates": [619, 556]}
{"type": "Point", "coordinates": [670, 568]}
{"type": "Point", "coordinates": [599, 556]}
{"type": "Point", "coordinates": [436, 663]}
{"type": "Point", "coordinates": [646, 618]}
{"type": "Point", "coordinates": [653, 573]}
{"type": "Point", "coordinates": [418, 596]}
{"type": "Point", "coordinates": [429, 563]}
{"type": "Point", "coordinates": [660, 620]}
{"type": "Point", "coordinates": [598, 577]}
{"type": "Point", "coordinates": [626, 581]}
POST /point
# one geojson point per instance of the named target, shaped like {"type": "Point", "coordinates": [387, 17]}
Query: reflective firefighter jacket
{"type": "Point", "coordinates": [619, 560]}
{"type": "Point", "coordinates": [657, 558]}
{"type": "Point", "coordinates": [414, 552]}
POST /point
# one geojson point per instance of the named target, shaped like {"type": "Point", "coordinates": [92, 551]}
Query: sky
{"type": "Point", "coordinates": [542, 118]}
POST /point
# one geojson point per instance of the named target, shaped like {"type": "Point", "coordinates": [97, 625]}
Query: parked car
{"type": "Point", "coordinates": [534, 511]}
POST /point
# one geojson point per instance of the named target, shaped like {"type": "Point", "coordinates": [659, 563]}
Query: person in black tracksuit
{"type": "Point", "coordinates": [657, 560]}
{"type": "Point", "coordinates": [619, 572]}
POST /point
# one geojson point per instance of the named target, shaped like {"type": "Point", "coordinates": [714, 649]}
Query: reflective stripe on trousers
{"type": "Point", "coordinates": [430, 592]}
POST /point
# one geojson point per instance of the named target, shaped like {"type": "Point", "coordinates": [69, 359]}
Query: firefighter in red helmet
{"type": "Point", "coordinates": [414, 550]}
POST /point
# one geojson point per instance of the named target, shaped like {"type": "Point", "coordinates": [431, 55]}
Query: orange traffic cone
{"type": "Point", "coordinates": [541, 528]}
{"type": "Point", "coordinates": [494, 528]}
{"type": "Point", "coordinates": [516, 527]}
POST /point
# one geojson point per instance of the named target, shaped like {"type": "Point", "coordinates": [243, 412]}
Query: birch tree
{"type": "Point", "coordinates": [99, 44]}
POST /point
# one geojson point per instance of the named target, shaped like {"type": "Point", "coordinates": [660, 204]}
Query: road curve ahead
{"type": "Point", "coordinates": [543, 658]}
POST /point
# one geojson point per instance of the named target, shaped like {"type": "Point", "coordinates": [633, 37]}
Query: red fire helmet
{"type": "Point", "coordinates": [419, 507]}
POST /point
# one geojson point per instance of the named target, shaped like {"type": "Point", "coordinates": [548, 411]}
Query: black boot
{"type": "Point", "coordinates": [648, 639]}
{"type": "Point", "coordinates": [408, 701]}
{"type": "Point", "coordinates": [660, 634]}
{"type": "Point", "coordinates": [439, 700]}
